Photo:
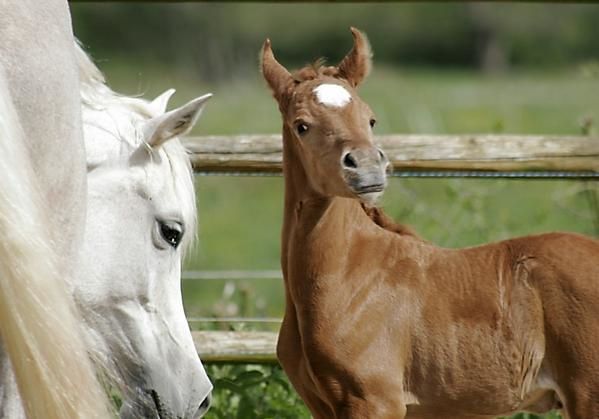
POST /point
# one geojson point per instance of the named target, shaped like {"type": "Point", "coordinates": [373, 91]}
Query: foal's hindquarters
{"type": "Point", "coordinates": [505, 327]}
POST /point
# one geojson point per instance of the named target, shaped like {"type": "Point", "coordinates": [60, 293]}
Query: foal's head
{"type": "Point", "coordinates": [326, 124]}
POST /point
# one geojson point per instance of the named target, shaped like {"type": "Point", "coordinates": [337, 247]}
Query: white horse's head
{"type": "Point", "coordinates": [141, 217]}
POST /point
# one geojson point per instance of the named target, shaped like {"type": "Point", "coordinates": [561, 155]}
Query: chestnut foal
{"type": "Point", "coordinates": [381, 324]}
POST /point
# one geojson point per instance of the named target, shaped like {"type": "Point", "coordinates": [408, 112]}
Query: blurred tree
{"type": "Point", "coordinates": [218, 40]}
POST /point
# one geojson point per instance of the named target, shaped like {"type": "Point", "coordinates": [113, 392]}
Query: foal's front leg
{"type": "Point", "coordinates": [291, 357]}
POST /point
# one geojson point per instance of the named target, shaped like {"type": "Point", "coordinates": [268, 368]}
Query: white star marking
{"type": "Point", "coordinates": [332, 95]}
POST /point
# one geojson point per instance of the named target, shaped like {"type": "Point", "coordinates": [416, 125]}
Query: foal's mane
{"type": "Point", "coordinates": [97, 96]}
{"type": "Point", "coordinates": [378, 216]}
{"type": "Point", "coordinates": [315, 70]}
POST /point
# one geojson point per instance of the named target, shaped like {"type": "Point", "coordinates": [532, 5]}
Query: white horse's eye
{"type": "Point", "coordinates": [171, 232]}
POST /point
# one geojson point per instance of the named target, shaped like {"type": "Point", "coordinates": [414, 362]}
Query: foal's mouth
{"type": "Point", "coordinates": [366, 185]}
{"type": "Point", "coordinates": [374, 188]}
{"type": "Point", "coordinates": [369, 194]}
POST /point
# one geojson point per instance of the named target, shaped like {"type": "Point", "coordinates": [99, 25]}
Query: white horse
{"type": "Point", "coordinates": [141, 218]}
{"type": "Point", "coordinates": [42, 212]}
{"type": "Point", "coordinates": [121, 264]}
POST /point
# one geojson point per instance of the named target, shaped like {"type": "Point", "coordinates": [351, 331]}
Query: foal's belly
{"type": "Point", "coordinates": [539, 401]}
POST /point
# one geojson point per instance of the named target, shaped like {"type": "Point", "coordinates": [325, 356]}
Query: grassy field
{"type": "Point", "coordinates": [240, 217]}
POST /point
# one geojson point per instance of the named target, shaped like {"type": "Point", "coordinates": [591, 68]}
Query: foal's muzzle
{"type": "Point", "coordinates": [365, 172]}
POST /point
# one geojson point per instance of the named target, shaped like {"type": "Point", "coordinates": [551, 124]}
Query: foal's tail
{"type": "Point", "coordinates": [39, 330]}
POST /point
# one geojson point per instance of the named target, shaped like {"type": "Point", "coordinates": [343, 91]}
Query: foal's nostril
{"type": "Point", "coordinates": [350, 162]}
{"type": "Point", "coordinates": [383, 159]}
{"type": "Point", "coordinates": [382, 156]}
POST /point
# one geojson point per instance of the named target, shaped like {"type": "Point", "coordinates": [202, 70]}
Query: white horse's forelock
{"type": "Point", "coordinates": [127, 114]}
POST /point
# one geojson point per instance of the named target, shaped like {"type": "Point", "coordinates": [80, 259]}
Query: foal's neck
{"type": "Point", "coordinates": [304, 207]}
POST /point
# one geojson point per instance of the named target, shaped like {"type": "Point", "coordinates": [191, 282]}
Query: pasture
{"type": "Point", "coordinates": [240, 217]}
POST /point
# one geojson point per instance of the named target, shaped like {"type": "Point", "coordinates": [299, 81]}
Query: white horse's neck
{"type": "Point", "coordinates": [42, 212]}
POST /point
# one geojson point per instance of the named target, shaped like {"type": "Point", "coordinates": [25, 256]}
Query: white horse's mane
{"type": "Point", "coordinates": [127, 113]}
{"type": "Point", "coordinates": [39, 328]}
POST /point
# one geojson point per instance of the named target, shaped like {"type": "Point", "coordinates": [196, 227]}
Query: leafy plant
{"type": "Point", "coordinates": [263, 392]}
{"type": "Point", "coordinates": [253, 392]}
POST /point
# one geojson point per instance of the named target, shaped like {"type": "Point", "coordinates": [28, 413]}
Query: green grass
{"type": "Point", "coordinates": [240, 217]}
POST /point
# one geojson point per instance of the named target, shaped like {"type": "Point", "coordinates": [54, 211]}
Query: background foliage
{"type": "Point", "coordinates": [220, 39]}
{"type": "Point", "coordinates": [439, 68]}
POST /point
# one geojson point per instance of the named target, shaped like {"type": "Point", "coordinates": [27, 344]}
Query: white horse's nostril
{"type": "Point", "coordinates": [205, 405]}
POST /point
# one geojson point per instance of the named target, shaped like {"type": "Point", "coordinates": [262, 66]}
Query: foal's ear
{"type": "Point", "coordinates": [356, 65]}
{"type": "Point", "coordinates": [277, 76]}
{"type": "Point", "coordinates": [177, 122]}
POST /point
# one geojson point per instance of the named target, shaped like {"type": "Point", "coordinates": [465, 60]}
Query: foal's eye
{"type": "Point", "coordinates": [171, 232]}
{"type": "Point", "coordinates": [301, 128]}
{"type": "Point", "coordinates": [372, 122]}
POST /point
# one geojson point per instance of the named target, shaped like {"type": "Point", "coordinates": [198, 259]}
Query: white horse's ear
{"type": "Point", "coordinates": [177, 122]}
{"type": "Point", "coordinates": [158, 105]}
